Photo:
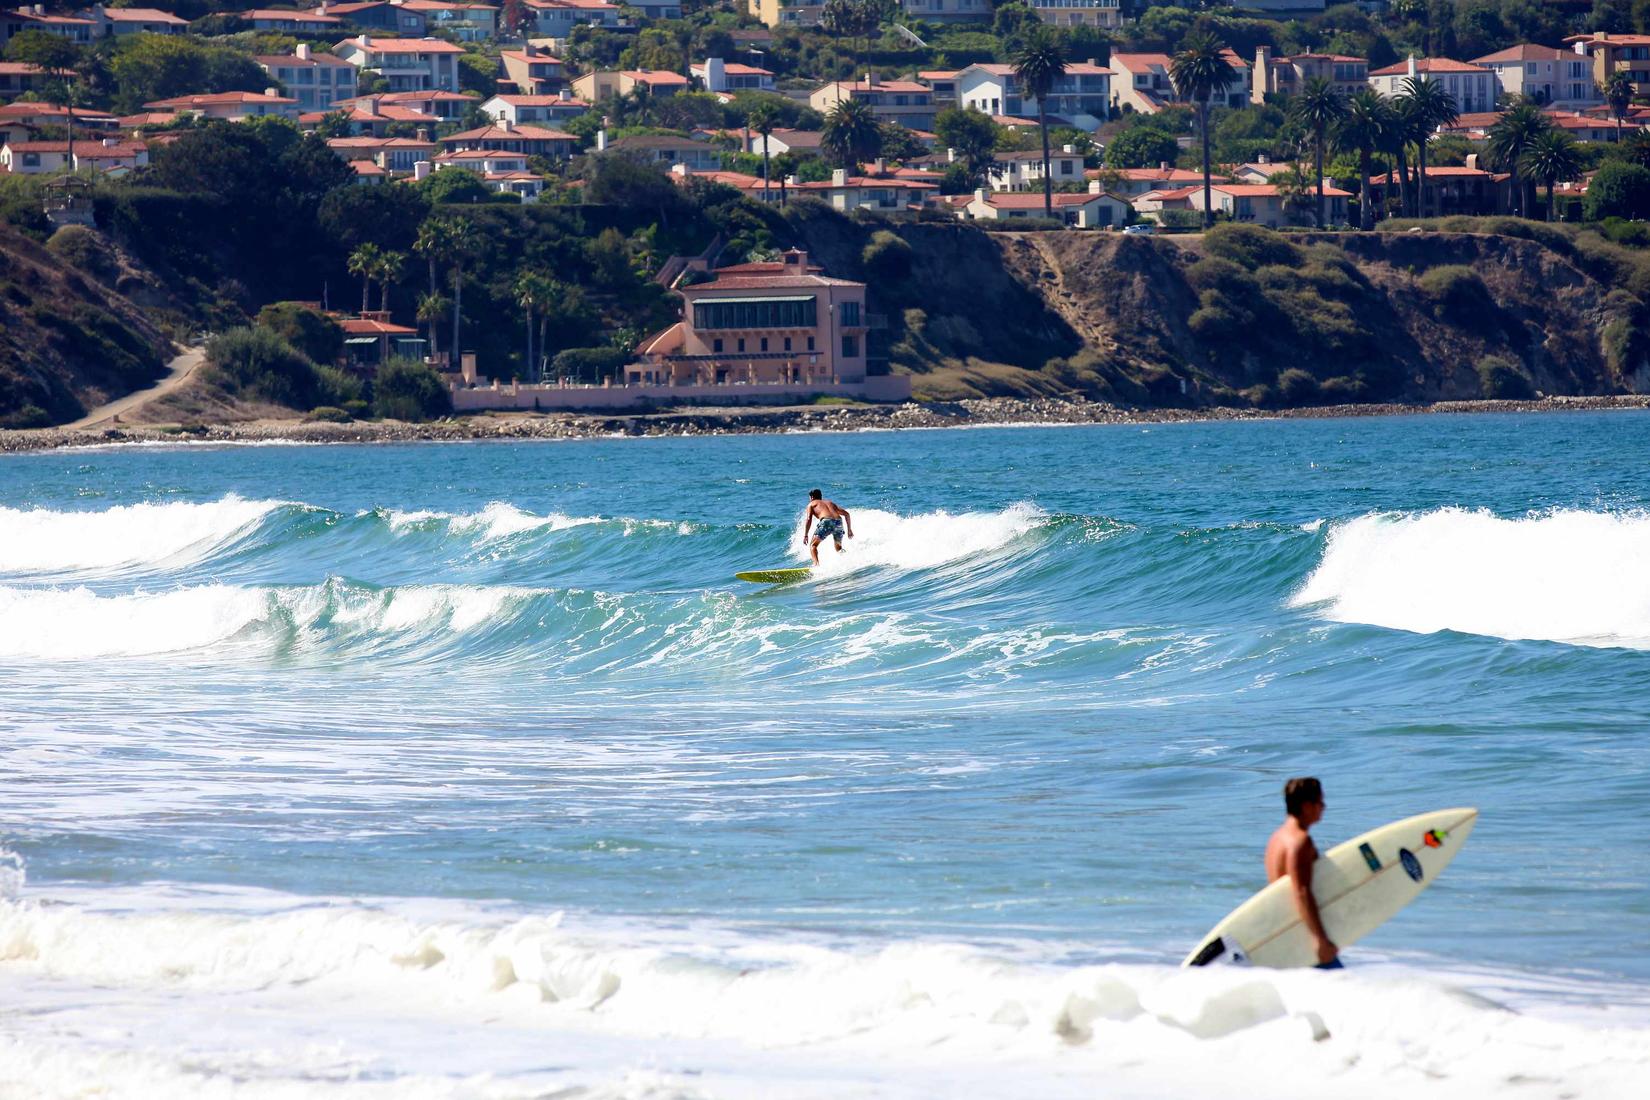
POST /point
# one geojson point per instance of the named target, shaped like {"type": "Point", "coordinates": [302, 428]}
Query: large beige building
{"type": "Point", "coordinates": [784, 322]}
{"type": "Point", "coordinates": [787, 13]}
{"type": "Point", "coordinates": [903, 101]}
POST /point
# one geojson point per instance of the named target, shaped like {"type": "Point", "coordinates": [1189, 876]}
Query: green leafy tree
{"type": "Point", "coordinates": [1430, 107]}
{"type": "Point", "coordinates": [364, 262]}
{"type": "Point", "coordinates": [1364, 130]}
{"type": "Point", "coordinates": [58, 58]}
{"type": "Point", "coordinates": [852, 135]}
{"type": "Point", "coordinates": [1039, 64]}
{"type": "Point", "coordinates": [309, 330]}
{"type": "Point", "coordinates": [1551, 157]}
{"type": "Point", "coordinates": [973, 136]}
{"type": "Point", "coordinates": [1318, 108]}
{"type": "Point", "coordinates": [403, 389]}
{"type": "Point", "coordinates": [147, 67]}
{"type": "Point", "coordinates": [1141, 147]}
{"type": "Point", "coordinates": [1618, 190]}
{"type": "Point", "coordinates": [1197, 72]}
{"type": "Point", "coordinates": [1636, 149]}
{"type": "Point", "coordinates": [453, 186]}
{"type": "Point", "coordinates": [1509, 138]}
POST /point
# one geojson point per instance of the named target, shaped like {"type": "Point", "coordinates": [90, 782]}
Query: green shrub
{"type": "Point", "coordinates": [309, 330]}
{"type": "Point", "coordinates": [29, 416]}
{"type": "Point", "coordinates": [331, 414]}
{"type": "Point", "coordinates": [1622, 231]}
{"type": "Point", "coordinates": [1261, 396]}
{"type": "Point", "coordinates": [589, 364]}
{"type": "Point", "coordinates": [405, 389]}
{"type": "Point", "coordinates": [256, 363]}
{"type": "Point", "coordinates": [1559, 240]}
{"type": "Point", "coordinates": [1214, 323]}
{"type": "Point", "coordinates": [1343, 391]}
{"type": "Point", "coordinates": [887, 256]}
{"type": "Point", "coordinates": [357, 408]}
{"type": "Point", "coordinates": [1501, 377]}
{"type": "Point", "coordinates": [1456, 291]}
{"type": "Point", "coordinates": [1250, 245]}
{"type": "Point", "coordinates": [86, 249]}
{"type": "Point", "coordinates": [1296, 387]}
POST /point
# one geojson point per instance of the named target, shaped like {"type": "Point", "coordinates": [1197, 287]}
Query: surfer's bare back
{"type": "Point", "coordinates": [1291, 852]}
{"type": "Point", "coordinates": [831, 516]}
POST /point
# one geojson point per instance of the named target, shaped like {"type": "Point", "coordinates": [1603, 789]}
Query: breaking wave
{"type": "Point", "coordinates": [1564, 576]}
{"type": "Point", "coordinates": [39, 540]}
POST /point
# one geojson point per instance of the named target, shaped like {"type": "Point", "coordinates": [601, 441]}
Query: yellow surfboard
{"type": "Point", "coordinates": [774, 576]}
{"type": "Point", "coordinates": [1359, 886]}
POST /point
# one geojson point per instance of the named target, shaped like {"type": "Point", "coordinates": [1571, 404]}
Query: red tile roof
{"type": "Point", "coordinates": [402, 45]}
{"type": "Point", "coordinates": [1529, 51]}
{"type": "Point", "coordinates": [498, 133]}
{"type": "Point", "coordinates": [1429, 65]}
{"type": "Point", "coordinates": [143, 15]}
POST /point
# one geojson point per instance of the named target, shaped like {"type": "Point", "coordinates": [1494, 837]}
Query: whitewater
{"type": "Point", "coordinates": [419, 771]}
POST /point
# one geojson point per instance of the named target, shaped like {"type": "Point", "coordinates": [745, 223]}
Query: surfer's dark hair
{"type": "Point", "coordinates": [814, 494]}
{"type": "Point", "coordinates": [1298, 792]}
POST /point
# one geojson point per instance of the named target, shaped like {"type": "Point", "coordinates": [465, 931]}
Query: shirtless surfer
{"type": "Point", "coordinates": [1291, 852]}
{"type": "Point", "coordinates": [831, 518]}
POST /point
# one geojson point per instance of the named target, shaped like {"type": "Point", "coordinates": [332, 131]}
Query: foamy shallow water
{"type": "Point", "coordinates": [469, 771]}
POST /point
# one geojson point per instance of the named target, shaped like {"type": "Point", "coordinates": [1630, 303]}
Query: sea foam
{"type": "Point", "coordinates": [922, 541]}
{"type": "Point", "coordinates": [1564, 576]}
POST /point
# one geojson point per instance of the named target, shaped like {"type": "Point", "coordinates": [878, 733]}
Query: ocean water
{"type": "Point", "coordinates": [469, 770]}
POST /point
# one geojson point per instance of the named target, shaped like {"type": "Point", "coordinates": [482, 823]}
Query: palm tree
{"type": "Point", "coordinates": [388, 270]}
{"type": "Point", "coordinates": [1551, 157]}
{"type": "Point", "coordinates": [1407, 126]}
{"type": "Point", "coordinates": [1508, 140]}
{"type": "Point", "coordinates": [533, 292]}
{"type": "Point", "coordinates": [851, 133]}
{"type": "Point", "coordinates": [432, 308]}
{"type": "Point", "coordinates": [1319, 108]}
{"type": "Point", "coordinates": [1637, 148]}
{"type": "Point", "coordinates": [1197, 72]}
{"type": "Point", "coordinates": [364, 262]}
{"type": "Point", "coordinates": [763, 118]}
{"type": "Point", "coordinates": [464, 241]}
{"type": "Point", "coordinates": [1039, 64]}
{"type": "Point", "coordinates": [1364, 129]}
{"type": "Point", "coordinates": [1433, 107]}
{"type": "Point", "coordinates": [433, 243]}
{"type": "Point", "coordinates": [1617, 91]}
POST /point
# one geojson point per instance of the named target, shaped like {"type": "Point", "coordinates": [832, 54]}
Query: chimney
{"type": "Point", "coordinates": [364, 41]}
{"type": "Point", "coordinates": [424, 134]}
{"type": "Point", "coordinates": [1260, 76]}
{"type": "Point", "coordinates": [529, 50]}
{"type": "Point", "coordinates": [1472, 160]}
{"type": "Point", "coordinates": [870, 80]}
{"type": "Point", "coordinates": [716, 75]}
{"type": "Point", "coordinates": [678, 169]}
{"type": "Point", "coordinates": [879, 166]}
{"type": "Point", "coordinates": [1412, 70]}
{"type": "Point", "coordinates": [981, 195]}
{"type": "Point", "coordinates": [110, 143]}
{"type": "Point", "coordinates": [505, 125]}
{"type": "Point", "coordinates": [1262, 159]}
{"type": "Point", "coordinates": [950, 155]}
{"type": "Point", "coordinates": [302, 52]}
{"type": "Point", "coordinates": [371, 104]}
{"type": "Point", "coordinates": [791, 181]}
{"type": "Point", "coordinates": [839, 177]}
{"type": "Point", "coordinates": [601, 141]}
{"type": "Point", "coordinates": [1068, 150]}
{"type": "Point", "coordinates": [1095, 187]}
{"type": "Point", "coordinates": [796, 258]}
{"type": "Point", "coordinates": [272, 91]}
{"type": "Point", "coordinates": [322, 10]}
{"type": "Point", "coordinates": [421, 170]}
{"type": "Point", "coordinates": [1162, 166]}
{"type": "Point", "coordinates": [565, 95]}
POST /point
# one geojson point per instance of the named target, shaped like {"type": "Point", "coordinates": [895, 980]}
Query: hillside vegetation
{"type": "Point", "coordinates": [69, 338]}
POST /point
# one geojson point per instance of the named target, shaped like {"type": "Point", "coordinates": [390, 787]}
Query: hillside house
{"type": "Point", "coordinates": [1081, 97]}
{"type": "Point", "coordinates": [1091, 209]}
{"type": "Point", "coordinates": [534, 70]}
{"type": "Point", "coordinates": [115, 22]}
{"type": "Point", "coordinates": [464, 21]}
{"type": "Point", "coordinates": [555, 19]}
{"type": "Point", "coordinates": [1284, 76]}
{"type": "Point", "coordinates": [408, 64]}
{"type": "Point", "coordinates": [598, 86]}
{"type": "Point", "coordinates": [716, 75]}
{"type": "Point", "coordinates": [1609, 53]}
{"type": "Point", "coordinates": [229, 106]}
{"type": "Point", "coordinates": [291, 22]}
{"type": "Point", "coordinates": [1544, 74]}
{"type": "Point", "coordinates": [1023, 171]}
{"type": "Point", "coordinates": [1473, 87]}
{"type": "Point", "coordinates": [505, 137]}
{"type": "Point", "coordinates": [903, 101]}
{"type": "Point", "coordinates": [315, 80]}
{"type": "Point", "coordinates": [379, 15]}
{"type": "Point", "coordinates": [666, 151]}
{"type": "Point", "coordinates": [111, 156]}
{"type": "Point", "coordinates": [1106, 14]}
{"type": "Point", "coordinates": [549, 110]}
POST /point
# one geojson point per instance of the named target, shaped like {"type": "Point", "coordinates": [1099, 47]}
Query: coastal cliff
{"type": "Point", "coordinates": [1239, 318]}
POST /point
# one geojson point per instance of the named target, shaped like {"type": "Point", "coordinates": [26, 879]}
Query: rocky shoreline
{"type": "Point", "coordinates": [982, 412]}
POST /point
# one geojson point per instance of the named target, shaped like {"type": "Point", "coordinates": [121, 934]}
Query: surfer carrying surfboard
{"type": "Point", "coordinates": [1291, 852]}
{"type": "Point", "coordinates": [831, 517]}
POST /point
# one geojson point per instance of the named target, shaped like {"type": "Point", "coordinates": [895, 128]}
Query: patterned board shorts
{"type": "Point", "coordinates": [828, 529]}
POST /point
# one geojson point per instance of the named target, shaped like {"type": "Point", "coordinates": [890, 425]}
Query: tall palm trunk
{"type": "Point", "coordinates": [1403, 181]}
{"type": "Point", "coordinates": [1208, 187]}
{"type": "Point", "coordinates": [527, 355]}
{"type": "Point", "coordinates": [1551, 183]}
{"type": "Point", "coordinates": [1048, 178]}
{"type": "Point", "coordinates": [1318, 149]}
{"type": "Point", "coordinates": [458, 308]}
{"type": "Point", "coordinates": [1365, 220]}
{"type": "Point", "coordinates": [1421, 180]}
{"type": "Point", "coordinates": [366, 288]}
{"type": "Point", "coordinates": [765, 168]}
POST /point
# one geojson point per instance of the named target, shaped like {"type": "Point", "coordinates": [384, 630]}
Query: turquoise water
{"type": "Point", "coordinates": [1041, 708]}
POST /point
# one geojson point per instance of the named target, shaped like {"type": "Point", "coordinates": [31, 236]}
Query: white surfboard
{"type": "Point", "coordinates": [1359, 886]}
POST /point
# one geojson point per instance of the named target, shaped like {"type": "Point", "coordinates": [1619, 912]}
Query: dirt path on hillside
{"type": "Point", "coordinates": [178, 371]}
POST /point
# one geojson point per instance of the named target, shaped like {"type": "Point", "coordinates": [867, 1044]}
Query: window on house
{"type": "Point", "coordinates": [764, 343]}
{"type": "Point", "coordinates": [741, 343]}
{"type": "Point", "coordinates": [716, 345]}
{"type": "Point", "coordinates": [810, 343]}
{"type": "Point", "coordinates": [850, 314]}
{"type": "Point", "coordinates": [1065, 168]}
{"type": "Point", "coordinates": [850, 347]}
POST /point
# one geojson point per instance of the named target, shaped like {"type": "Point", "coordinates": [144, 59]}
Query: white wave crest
{"type": "Point", "coordinates": [921, 541]}
{"type": "Point", "coordinates": [1564, 576]}
{"type": "Point", "coordinates": [916, 1007]}
{"type": "Point", "coordinates": [72, 623]}
{"type": "Point", "coordinates": [12, 874]}
{"type": "Point", "coordinates": [498, 520]}
{"type": "Point", "coordinates": [38, 540]}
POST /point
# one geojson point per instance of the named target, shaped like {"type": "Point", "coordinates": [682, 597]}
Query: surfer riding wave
{"type": "Point", "coordinates": [833, 520]}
